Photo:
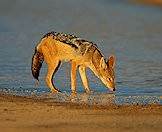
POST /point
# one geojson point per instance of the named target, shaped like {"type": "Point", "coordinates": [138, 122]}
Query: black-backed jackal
{"type": "Point", "coordinates": [56, 47]}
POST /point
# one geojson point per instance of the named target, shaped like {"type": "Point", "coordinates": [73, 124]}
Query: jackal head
{"type": "Point", "coordinates": [106, 70]}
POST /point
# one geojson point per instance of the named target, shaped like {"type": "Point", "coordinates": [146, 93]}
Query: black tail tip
{"type": "Point", "coordinates": [35, 75]}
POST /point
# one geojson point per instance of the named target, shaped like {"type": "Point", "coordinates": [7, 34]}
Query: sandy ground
{"type": "Point", "coordinates": [19, 114]}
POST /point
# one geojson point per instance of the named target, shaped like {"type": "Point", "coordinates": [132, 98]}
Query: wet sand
{"type": "Point", "coordinates": [36, 115]}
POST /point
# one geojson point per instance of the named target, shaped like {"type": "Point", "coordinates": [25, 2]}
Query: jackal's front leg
{"type": "Point", "coordinates": [82, 71]}
{"type": "Point", "coordinates": [73, 77]}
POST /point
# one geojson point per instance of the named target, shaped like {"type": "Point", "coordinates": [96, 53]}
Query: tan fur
{"type": "Point", "coordinates": [55, 51]}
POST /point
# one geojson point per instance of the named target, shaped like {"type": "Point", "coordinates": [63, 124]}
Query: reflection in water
{"type": "Point", "coordinates": [103, 99]}
{"type": "Point", "coordinates": [94, 98]}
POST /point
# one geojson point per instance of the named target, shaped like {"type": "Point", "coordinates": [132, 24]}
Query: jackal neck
{"type": "Point", "coordinates": [96, 60]}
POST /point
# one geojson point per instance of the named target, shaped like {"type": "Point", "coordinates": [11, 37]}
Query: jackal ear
{"type": "Point", "coordinates": [102, 63]}
{"type": "Point", "coordinates": [111, 61]}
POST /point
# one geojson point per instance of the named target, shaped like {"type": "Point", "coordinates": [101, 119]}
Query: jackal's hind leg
{"type": "Point", "coordinates": [52, 68]}
{"type": "Point", "coordinates": [73, 77]}
{"type": "Point", "coordinates": [82, 71]}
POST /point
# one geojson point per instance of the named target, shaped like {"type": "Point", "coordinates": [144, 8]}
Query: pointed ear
{"type": "Point", "coordinates": [111, 61]}
{"type": "Point", "coordinates": [102, 63]}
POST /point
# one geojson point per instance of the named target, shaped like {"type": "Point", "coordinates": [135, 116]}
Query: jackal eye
{"type": "Point", "coordinates": [109, 79]}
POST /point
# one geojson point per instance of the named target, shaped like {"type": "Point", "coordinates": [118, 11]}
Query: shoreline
{"type": "Point", "coordinates": [32, 114]}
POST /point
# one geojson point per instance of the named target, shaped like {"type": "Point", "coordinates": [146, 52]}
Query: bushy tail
{"type": "Point", "coordinates": [37, 61]}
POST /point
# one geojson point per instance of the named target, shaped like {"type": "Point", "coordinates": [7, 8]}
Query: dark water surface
{"type": "Point", "coordinates": [132, 32]}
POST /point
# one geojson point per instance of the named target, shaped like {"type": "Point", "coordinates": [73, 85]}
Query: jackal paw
{"type": "Point", "coordinates": [73, 93]}
{"type": "Point", "coordinates": [88, 91]}
{"type": "Point", "coordinates": [55, 91]}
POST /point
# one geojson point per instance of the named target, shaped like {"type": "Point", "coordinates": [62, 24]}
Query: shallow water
{"type": "Point", "coordinates": [131, 32]}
